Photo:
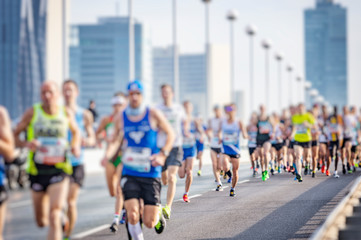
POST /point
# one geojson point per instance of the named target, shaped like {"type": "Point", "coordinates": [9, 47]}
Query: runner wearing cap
{"type": "Point", "coordinates": [142, 161]}
{"type": "Point", "coordinates": [112, 163]}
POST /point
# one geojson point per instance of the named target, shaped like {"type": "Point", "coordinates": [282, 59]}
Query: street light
{"type": "Point", "coordinates": [266, 44]}
{"type": "Point", "coordinates": [290, 84]}
{"type": "Point", "coordinates": [279, 58]}
{"type": "Point", "coordinates": [251, 31]}
{"type": "Point", "coordinates": [207, 42]}
{"type": "Point", "coordinates": [232, 16]}
{"type": "Point", "coordinates": [131, 41]}
{"type": "Point", "coordinates": [175, 53]}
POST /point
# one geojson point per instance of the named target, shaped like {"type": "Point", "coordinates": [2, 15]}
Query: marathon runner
{"type": "Point", "coordinates": [142, 161]}
{"type": "Point", "coordinates": [334, 128]}
{"type": "Point", "coordinates": [349, 126]}
{"type": "Point", "coordinates": [231, 128]}
{"type": "Point", "coordinates": [265, 130]}
{"type": "Point", "coordinates": [302, 122]}
{"type": "Point", "coordinates": [213, 132]}
{"type": "Point", "coordinates": [112, 163]}
{"type": "Point", "coordinates": [48, 124]}
{"type": "Point", "coordinates": [6, 154]}
{"type": "Point", "coordinates": [200, 137]}
{"type": "Point", "coordinates": [84, 120]}
{"type": "Point", "coordinates": [315, 133]}
{"type": "Point", "coordinates": [191, 127]}
{"type": "Point", "coordinates": [278, 144]}
{"type": "Point", "coordinates": [252, 143]}
{"type": "Point", "coordinates": [175, 115]}
{"type": "Point", "coordinates": [323, 153]}
{"type": "Point", "coordinates": [356, 137]}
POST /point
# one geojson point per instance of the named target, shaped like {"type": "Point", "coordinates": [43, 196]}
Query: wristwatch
{"type": "Point", "coordinates": [165, 153]}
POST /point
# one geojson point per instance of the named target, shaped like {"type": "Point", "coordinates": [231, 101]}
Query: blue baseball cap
{"type": "Point", "coordinates": [136, 85]}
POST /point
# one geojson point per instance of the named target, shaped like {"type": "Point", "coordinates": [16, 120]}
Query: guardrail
{"type": "Point", "coordinates": [344, 222]}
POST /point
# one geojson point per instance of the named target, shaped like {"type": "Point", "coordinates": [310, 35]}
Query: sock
{"type": "Point", "coordinates": [219, 183]}
{"type": "Point", "coordinates": [335, 172]}
{"type": "Point", "coordinates": [135, 231]}
{"type": "Point", "coordinates": [186, 193]}
{"type": "Point", "coordinates": [116, 218]}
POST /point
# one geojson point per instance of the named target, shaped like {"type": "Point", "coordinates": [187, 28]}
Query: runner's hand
{"type": "Point", "coordinates": [33, 145]}
{"type": "Point", "coordinates": [104, 161]}
{"type": "Point", "coordinates": [157, 159]}
{"type": "Point", "coordinates": [75, 151]}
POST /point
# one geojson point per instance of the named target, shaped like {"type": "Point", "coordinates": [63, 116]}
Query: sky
{"type": "Point", "coordinates": [278, 20]}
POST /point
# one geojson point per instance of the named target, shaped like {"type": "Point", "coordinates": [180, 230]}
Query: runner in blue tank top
{"type": "Point", "coordinates": [84, 121]}
{"type": "Point", "coordinates": [143, 161]}
{"type": "Point", "coordinates": [6, 154]}
{"type": "Point", "coordinates": [231, 129]}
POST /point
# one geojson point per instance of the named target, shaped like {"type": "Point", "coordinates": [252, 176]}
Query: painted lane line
{"type": "Point", "coordinates": [20, 204]}
{"type": "Point", "coordinates": [244, 181]}
{"type": "Point", "coordinates": [190, 197]}
{"type": "Point", "coordinates": [90, 232]}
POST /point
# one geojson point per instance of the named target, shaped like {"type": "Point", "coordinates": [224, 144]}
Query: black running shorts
{"type": "Point", "coordinates": [78, 175]}
{"type": "Point", "coordinates": [147, 189]}
{"type": "Point", "coordinates": [174, 159]}
{"type": "Point", "coordinates": [40, 183]}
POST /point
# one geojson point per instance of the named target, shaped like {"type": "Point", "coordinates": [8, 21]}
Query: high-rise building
{"type": "Point", "coordinates": [193, 83]}
{"type": "Point", "coordinates": [326, 50]}
{"type": "Point", "coordinates": [99, 60]}
{"type": "Point", "coordinates": [31, 50]}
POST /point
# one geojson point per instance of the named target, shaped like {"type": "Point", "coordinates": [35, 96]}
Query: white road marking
{"type": "Point", "coordinates": [244, 181]}
{"type": "Point", "coordinates": [91, 231]}
{"type": "Point", "coordinates": [20, 204]}
{"type": "Point", "coordinates": [190, 197]}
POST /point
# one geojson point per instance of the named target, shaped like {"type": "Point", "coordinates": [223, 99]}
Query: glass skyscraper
{"type": "Point", "coordinates": [99, 60]}
{"type": "Point", "coordinates": [326, 50]}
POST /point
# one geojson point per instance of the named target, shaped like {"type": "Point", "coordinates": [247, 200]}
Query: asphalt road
{"type": "Point", "coordinates": [280, 208]}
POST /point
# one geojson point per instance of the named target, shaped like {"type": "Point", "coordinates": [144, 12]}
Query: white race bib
{"type": "Point", "coordinates": [230, 138]}
{"type": "Point", "coordinates": [51, 151]}
{"type": "Point", "coordinates": [189, 141]}
{"type": "Point", "coordinates": [301, 129]}
{"type": "Point", "coordinates": [137, 159]}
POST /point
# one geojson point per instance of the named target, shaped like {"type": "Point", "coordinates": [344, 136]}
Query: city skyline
{"type": "Point", "coordinates": [289, 22]}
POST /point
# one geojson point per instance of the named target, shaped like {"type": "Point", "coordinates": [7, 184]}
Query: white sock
{"type": "Point", "coordinates": [335, 172]}
{"type": "Point", "coordinates": [116, 218]}
{"type": "Point", "coordinates": [135, 231]}
{"type": "Point", "coordinates": [186, 193]}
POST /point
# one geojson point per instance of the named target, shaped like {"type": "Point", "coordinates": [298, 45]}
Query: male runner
{"type": "Point", "coordinates": [278, 143]}
{"type": "Point", "coordinates": [323, 153]}
{"type": "Point", "coordinates": [142, 161]}
{"type": "Point", "coordinates": [213, 131]}
{"type": "Point", "coordinates": [200, 144]}
{"type": "Point", "coordinates": [48, 125]}
{"type": "Point", "coordinates": [252, 143]}
{"type": "Point", "coordinates": [265, 130]}
{"type": "Point", "coordinates": [112, 163]}
{"type": "Point", "coordinates": [175, 115]}
{"type": "Point", "coordinates": [84, 121]}
{"type": "Point", "coordinates": [6, 154]}
{"type": "Point", "coordinates": [191, 127]}
{"type": "Point", "coordinates": [302, 122]}
{"type": "Point", "coordinates": [231, 128]}
{"type": "Point", "coordinates": [315, 133]}
{"type": "Point", "coordinates": [349, 125]}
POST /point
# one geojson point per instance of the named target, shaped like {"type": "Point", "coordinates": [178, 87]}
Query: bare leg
{"type": "Point", "coordinates": [189, 173]}
{"type": "Point", "coordinates": [172, 182]}
{"type": "Point", "coordinates": [72, 207]}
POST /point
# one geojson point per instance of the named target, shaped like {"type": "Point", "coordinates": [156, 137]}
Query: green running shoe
{"type": "Point", "coordinates": [264, 178]}
{"type": "Point", "coordinates": [166, 212]}
{"type": "Point", "coordinates": [159, 228]}
{"type": "Point", "coordinates": [267, 175]}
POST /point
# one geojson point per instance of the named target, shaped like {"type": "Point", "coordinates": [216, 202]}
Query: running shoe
{"type": "Point", "coordinates": [313, 174]}
{"type": "Point", "coordinates": [264, 178]}
{"type": "Point", "coordinates": [272, 171]}
{"type": "Point", "coordinates": [254, 173]}
{"type": "Point", "coordinates": [356, 165]}
{"type": "Point", "coordinates": [232, 193]}
{"type": "Point", "coordinates": [318, 166]}
{"type": "Point", "coordinates": [306, 170]}
{"type": "Point", "coordinates": [221, 173]}
{"type": "Point", "coordinates": [219, 188]}
{"type": "Point", "coordinates": [285, 169]}
{"type": "Point", "coordinates": [224, 176]}
{"type": "Point", "coordinates": [122, 220]}
{"type": "Point", "coordinates": [166, 212]}
{"type": "Point", "coordinates": [343, 169]}
{"type": "Point", "coordinates": [299, 177]}
{"type": "Point", "coordinates": [159, 228]}
{"type": "Point", "coordinates": [229, 180]}
{"type": "Point", "coordinates": [354, 169]}
{"type": "Point", "coordinates": [185, 198]}
{"type": "Point", "coordinates": [323, 169]}
{"type": "Point", "coordinates": [114, 227]}
{"type": "Point", "coordinates": [328, 173]}
{"type": "Point", "coordinates": [267, 174]}
{"type": "Point", "coordinates": [335, 175]}
{"type": "Point", "coordinates": [199, 173]}
{"type": "Point", "coordinates": [279, 170]}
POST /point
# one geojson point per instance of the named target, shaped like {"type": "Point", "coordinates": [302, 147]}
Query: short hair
{"type": "Point", "coordinates": [72, 82]}
{"type": "Point", "coordinates": [119, 94]}
{"type": "Point", "coordinates": [166, 85]}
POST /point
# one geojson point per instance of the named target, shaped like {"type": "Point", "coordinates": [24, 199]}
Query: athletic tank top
{"type": "Point", "coordinates": [140, 143]}
{"type": "Point", "coordinates": [79, 119]}
{"type": "Point", "coordinates": [190, 141]}
{"type": "Point", "coordinates": [215, 124]}
{"type": "Point", "coordinates": [264, 129]}
{"type": "Point", "coordinates": [333, 128]}
{"type": "Point", "coordinates": [252, 133]}
{"type": "Point", "coordinates": [278, 135]}
{"type": "Point", "coordinates": [52, 133]}
{"type": "Point", "coordinates": [230, 133]}
{"type": "Point", "coordinates": [109, 129]}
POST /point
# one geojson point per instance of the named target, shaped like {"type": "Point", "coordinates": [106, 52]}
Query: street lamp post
{"type": "Point", "coordinates": [175, 54]}
{"type": "Point", "coordinates": [279, 58]}
{"type": "Point", "coordinates": [131, 41]}
{"type": "Point", "coordinates": [251, 31]}
{"type": "Point", "coordinates": [232, 17]}
{"type": "Point", "coordinates": [290, 84]}
{"type": "Point", "coordinates": [207, 46]}
{"type": "Point", "coordinates": [266, 44]}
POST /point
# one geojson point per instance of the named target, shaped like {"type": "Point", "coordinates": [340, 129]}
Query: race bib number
{"type": "Point", "coordinates": [137, 159]}
{"type": "Point", "coordinates": [189, 141]}
{"type": "Point", "coordinates": [215, 142]}
{"type": "Point", "coordinates": [301, 129]}
{"type": "Point", "coordinates": [51, 151]}
{"type": "Point", "coordinates": [230, 138]}
{"type": "Point", "coordinates": [333, 128]}
{"type": "Point", "coordinates": [264, 128]}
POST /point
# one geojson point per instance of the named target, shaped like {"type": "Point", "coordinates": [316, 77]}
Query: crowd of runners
{"type": "Point", "coordinates": [147, 146]}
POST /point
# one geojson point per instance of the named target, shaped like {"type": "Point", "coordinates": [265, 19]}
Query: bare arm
{"type": "Point", "coordinates": [76, 137]}
{"type": "Point", "coordinates": [22, 126]}
{"type": "Point", "coordinates": [101, 128]}
{"type": "Point", "coordinates": [6, 137]}
{"type": "Point", "coordinates": [164, 125]}
{"type": "Point", "coordinates": [209, 130]}
{"type": "Point", "coordinates": [88, 124]}
{"type": "Point", "coordinates": [243, 129]}
{"type": "Point", "coordinates": [114, 145]}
